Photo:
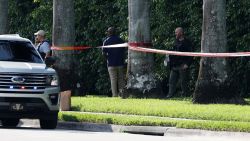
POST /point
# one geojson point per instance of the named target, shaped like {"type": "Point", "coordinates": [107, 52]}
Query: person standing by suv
{"type": "Point", "coordinates": [43, 46]}
{"type": "Point", "coordinates": [115, 61]}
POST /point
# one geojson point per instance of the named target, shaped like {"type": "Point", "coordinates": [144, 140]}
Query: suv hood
{"type": "Point", "coordinates": [24, 67]}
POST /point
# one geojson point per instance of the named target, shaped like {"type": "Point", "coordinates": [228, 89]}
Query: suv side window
{"type": "Point", "coordinates": [18, 51]}
{"type": "Point", "coordinates": [5, 52]}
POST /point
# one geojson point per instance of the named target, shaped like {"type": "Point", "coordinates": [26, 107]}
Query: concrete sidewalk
{"type": "Point", "coordinates": [144, 130]}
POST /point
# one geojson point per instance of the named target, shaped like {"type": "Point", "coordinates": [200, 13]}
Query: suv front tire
{"type": "Point", "coordinates": [13, 122]}
{"type": "Point", "coordinates": [48, 123]}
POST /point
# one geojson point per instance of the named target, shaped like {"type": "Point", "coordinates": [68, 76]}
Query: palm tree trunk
{"type": "Point", "coordinates": [4, 16]}
{"type": "Point", "coordinates": [214, 84]}
{"type": "Point", "coordinates": [64, 35]}
{"type": "Point", "coordinates": [141, 80]}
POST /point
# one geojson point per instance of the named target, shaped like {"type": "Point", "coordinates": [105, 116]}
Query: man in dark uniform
{"type": "Point", "coordinates": [179, 64]}
{"type": "Point", "coordinates": [115, 61]}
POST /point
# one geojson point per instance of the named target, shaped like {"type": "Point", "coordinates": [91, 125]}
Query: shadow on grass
{"type": "Point", "coordinates": [76, 108]}
{"type": "Point", "coordinates": [69, 118]}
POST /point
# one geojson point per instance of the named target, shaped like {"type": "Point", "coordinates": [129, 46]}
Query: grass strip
{"type": "Point", "coordinates": [154, 121]}
{"type": "Point", "coordinates": [175, 108]}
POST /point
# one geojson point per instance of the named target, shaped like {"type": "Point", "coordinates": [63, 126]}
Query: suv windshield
{"type": "Point", "coordinates": [18, 51]}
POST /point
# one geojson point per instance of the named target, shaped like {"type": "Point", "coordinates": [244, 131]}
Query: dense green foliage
{"type": "Point", "coordinates": [94, 16]}
{"type": "Point", "coordinates": [26, 17]}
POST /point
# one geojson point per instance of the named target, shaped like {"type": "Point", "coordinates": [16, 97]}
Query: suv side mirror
{"type": "Point", "coordinates": [50, 61]}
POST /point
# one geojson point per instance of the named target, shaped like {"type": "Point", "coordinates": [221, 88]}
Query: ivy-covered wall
{"type": "Point", "coordinates": [94, 16]}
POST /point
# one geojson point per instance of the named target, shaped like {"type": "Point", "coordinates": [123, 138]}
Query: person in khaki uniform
{"type": "Point", "coordinates": [179, 64]}
{"type": "Point", "coordinates": [115, 61]}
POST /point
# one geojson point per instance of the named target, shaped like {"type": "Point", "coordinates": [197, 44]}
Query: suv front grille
{"type": "Point", "coordinates": [22, 83]}
{"type": "Point", "coordinates": [20, 100]}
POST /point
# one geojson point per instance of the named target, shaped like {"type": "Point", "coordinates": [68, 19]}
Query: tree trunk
{"type": "Point", "coordinates": [4, 16]}
{"type": "Point", "coordinates": [64, 35]}
{"type": "Point", "coordinates": [141, 80]}
{"type": "Point", "coordinates": [214, 84]}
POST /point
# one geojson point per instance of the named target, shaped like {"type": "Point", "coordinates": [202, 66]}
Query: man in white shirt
{"type": "Point", "coordinates": [43, 46]}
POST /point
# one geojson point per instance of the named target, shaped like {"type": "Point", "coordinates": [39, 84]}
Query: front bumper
{"type": "Point", "coordinates": [21, 105]}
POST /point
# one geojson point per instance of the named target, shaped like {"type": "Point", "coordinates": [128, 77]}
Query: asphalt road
{"type": "Point", "coordinates": [29, 130]}
{"type": "Point", "coordinates": [35, 134]}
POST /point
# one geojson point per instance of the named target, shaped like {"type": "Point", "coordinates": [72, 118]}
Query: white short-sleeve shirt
{"type": "Point", "coordinates": [44, 47]}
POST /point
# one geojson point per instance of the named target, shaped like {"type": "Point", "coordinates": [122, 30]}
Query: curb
{"type": "Point", "coordinates": [95, 127]}
{"type": "Point", "coordinates": [146, 130]}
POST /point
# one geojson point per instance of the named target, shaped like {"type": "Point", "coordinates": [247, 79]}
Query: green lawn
{"type": "Point", "coordinates": [224, 117]}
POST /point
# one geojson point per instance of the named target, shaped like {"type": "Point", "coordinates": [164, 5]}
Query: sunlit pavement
{"type": "Point", "coordinates": [29, 130]}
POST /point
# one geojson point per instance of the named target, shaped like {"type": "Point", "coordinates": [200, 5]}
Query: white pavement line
{"type": "Point", "coordinates": [173, 131]}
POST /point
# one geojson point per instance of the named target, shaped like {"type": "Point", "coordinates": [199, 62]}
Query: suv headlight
{"type": "Point", "coordinates": [52, 80]}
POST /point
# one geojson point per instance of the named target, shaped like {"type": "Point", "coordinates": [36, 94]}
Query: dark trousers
{"type": "Point", "coordinates": [175, 75]}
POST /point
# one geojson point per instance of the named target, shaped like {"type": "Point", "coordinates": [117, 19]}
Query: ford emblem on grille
{"type": "Point", "coordinates": [17, 79]}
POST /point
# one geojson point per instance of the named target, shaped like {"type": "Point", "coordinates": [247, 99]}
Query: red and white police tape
{"type": "Point", "coordinates": [87, 47]}
{"type": "Point", "coordinates": [145, 47]}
